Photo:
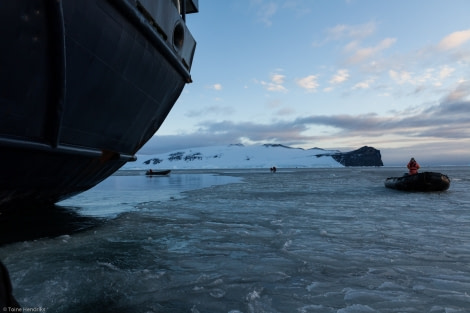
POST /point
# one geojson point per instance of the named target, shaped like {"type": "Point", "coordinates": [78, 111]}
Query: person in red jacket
{"type": "Point", "coordinates": [413, 166]}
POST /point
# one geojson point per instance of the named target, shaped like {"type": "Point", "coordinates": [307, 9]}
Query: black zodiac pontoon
{"type": "Point", "coordinates": [425, 181]}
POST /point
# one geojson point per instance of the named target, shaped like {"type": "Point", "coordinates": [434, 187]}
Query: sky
{"type": "Point", "coordinates": [333, 74]}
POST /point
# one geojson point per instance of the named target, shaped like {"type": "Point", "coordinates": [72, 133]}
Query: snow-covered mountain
{"type": "Point", "coordinates": [237, 156]}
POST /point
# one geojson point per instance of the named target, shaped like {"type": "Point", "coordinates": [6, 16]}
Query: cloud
{"type": "Point", "coordinates": [285, 111]}
{"type": "Point", "coordinates": [300, 8]}
{"type": "Point", "coordinates": [213, 109]}
{"type": "Point", "coordinates": [340, 77]}
{"type": "Point", "coordinates": [446, 120]}
{"type": "Point", "coordinates": [277, 79]}
{"type": "Point", "coordinates": [276, 83]}
{"type": "Point", "coordinates": [430, 77]}
{"type": "Point", "coordinates": [454, 40]}
{"type": "Point", "coordinates": [365, 84]}
{"type": "Point", "coordinates": [265, 11]}
{"type": "Point", "coordinates": [460, 94]}
{"type": "Point", "coordinates": [362, 54]}
{"type": "Point", "coordinates": [216, 87]}
{"type": "Point", "coordinates": [274, 104]}
{"type": "Point", "coordinates": [400, 77]}
{"type": "Point", "coordinates": [446, 71]}
{"type": "Point", "coordinates": [308, 83]}
{"type": "Point", "coordinates": [444, 123]}
{"type": "Point", "coordinates": [348, 32]}
{"type": "Point", "coordinates": [360, 31]}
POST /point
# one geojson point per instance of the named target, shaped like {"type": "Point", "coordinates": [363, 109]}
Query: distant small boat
{"type": "Point", "coordinates": [425, 181]}
{"type": "Point", "coordinates": [157, 173]}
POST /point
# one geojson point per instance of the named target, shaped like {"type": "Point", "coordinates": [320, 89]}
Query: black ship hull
{"type": "Point", "coordinates": [83, 86]}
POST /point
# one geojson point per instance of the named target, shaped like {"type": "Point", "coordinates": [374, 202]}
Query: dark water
{"type": "Point", "coordinates": [320, 240]}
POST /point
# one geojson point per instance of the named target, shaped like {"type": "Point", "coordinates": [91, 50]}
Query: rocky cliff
{"type": "Point", "coordinates": [365, 156]}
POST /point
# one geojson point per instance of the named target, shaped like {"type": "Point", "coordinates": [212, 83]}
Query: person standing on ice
{"type": "Point", "coordinates": [413, 166]}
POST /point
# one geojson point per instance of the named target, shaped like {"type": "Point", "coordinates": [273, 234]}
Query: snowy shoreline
{"type": "Point", "coordinates": [237, 157]}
